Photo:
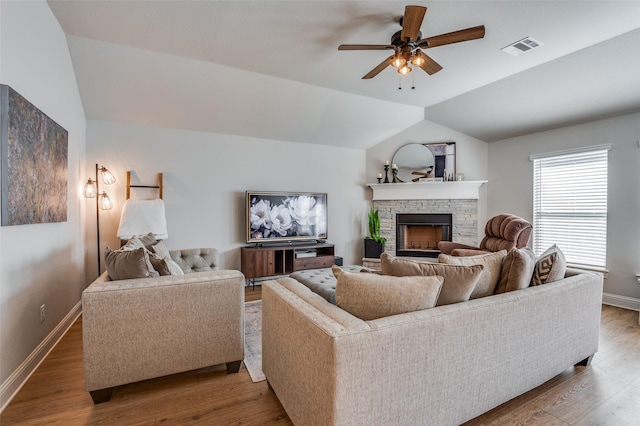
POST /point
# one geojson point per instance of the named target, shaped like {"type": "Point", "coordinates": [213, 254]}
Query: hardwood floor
{"type": "Point", "coordinates": [606, 393]}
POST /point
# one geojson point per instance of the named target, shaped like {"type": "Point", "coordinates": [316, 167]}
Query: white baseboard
{"type": "Point", "coordinates": [19, 377]}
{"type": "Point", "coordinates": [621, 301]}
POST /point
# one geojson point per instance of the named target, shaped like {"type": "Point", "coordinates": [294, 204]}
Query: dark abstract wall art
{"type": "Point", "coordinates": [34, 163]}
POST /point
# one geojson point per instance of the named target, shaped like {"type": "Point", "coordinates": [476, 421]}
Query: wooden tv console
{"type": "Point", "coordinates": [271, 261]}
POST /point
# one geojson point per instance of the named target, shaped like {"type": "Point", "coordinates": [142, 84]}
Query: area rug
{"type": "Point", "coordinates": [253, 340]}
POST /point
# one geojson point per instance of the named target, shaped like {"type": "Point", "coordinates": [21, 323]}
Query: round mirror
{"type": "Point", "coordinates": [414, 161]}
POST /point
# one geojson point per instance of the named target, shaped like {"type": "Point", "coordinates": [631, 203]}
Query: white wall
{"type": "Point", "coordinates": [137, 86]}
{"type": "Point", "coordinates": [511, 189]}
{"type": "Point", "coordinates": [206, 176]}
{"type": "Point", "coordinates": [471, 157]}
{"type": "Point", "coordinates": [40, 263]}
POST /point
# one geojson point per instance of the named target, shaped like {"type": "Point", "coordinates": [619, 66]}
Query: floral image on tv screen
{"type": "Point", "coordinates": [286, 216]}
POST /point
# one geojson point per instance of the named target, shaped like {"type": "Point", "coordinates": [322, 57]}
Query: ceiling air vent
{"type": "Point", "coordinates": [521, 46]}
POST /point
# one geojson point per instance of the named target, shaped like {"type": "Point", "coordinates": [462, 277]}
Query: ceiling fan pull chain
{"type": "Point", "coordinates": [399, 82]}
{"type": "Point", "coordinates": [413, 81]}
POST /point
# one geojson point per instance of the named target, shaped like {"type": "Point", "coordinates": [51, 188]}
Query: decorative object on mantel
{"type": "Point", "coordinates": [374, 243]}
{"type": "Point", "coordinates": [394, 170]}
{"type": "Point", "coordinates": [386, 172]}
{"type": "Point", "coordinates": [417, 161]}
{"type": "Point", "coordinates": [34, 163]}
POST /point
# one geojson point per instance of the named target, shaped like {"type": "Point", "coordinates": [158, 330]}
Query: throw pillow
{"type": "Point", "coordinates": [126, 264]}
{"type": "Point", "coordinates": [162, 251]}
{"type": "Point", "coordinates": [371, 296]}
{"type": "Point", "coordinates": [148, 240]}
{"type": "Point", "coordinates": [517, 270]}
{"type": "Point", "coordinates": [159, 264]}
{"type": "Point", "coordinates": [135, 243]}
{"type": "Point", "coordinates": [459, 281]}
{"type": "Point", "coordinates": [492, 263]}
{"type": "Point", "coordinates": [132, 243]}
{"type": "Point", "coordinates": [391, 265]}
{"type": "Point", "coordinates": [550, 266]}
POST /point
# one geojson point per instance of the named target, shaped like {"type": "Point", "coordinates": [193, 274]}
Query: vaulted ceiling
{"type": "Point", "coordinates": [271, 69]}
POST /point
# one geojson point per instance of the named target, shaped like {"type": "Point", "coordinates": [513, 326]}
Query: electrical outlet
{"type": "Point", "coordinates": [42, 313]}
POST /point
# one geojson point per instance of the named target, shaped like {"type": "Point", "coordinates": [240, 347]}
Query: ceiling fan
{"type": "Point", "coordinates": [407, 44]}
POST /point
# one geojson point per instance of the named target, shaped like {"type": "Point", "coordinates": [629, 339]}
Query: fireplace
{"type": "Point", "coordinates": [418, 234]}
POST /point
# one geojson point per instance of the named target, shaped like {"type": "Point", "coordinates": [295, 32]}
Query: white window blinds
{"type": "Point", "coordinates": [570, 205]}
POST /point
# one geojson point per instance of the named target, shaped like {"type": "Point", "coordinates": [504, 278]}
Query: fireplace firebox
{"type": "Point", "coordinates": [418, 234]}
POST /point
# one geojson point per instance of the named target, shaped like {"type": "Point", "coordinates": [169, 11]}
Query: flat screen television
{"type": "Point", "coordinates": [284, 217]}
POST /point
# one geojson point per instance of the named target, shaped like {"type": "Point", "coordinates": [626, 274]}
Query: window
{"type": "Point", "coordinates": [570, 204]}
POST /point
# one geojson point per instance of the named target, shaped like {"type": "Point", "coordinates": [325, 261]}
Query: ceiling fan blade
{"type": "Point", "coordinates": [428, 65]}
{"type": "Point", "coordinates": [454, 37]}
{"type": "Point", "coordinates": [411, 22]}
{"type": "Point", "coordinates": [379, 68]}
{"type": "Point", "coordinates": [365, 46]}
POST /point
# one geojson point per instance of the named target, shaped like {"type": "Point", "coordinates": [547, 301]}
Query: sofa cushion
{"type": "Point", "coordinates": [492, 263]}
{"type": "Point", "coordinates": [550, 266]}
{"type": "Point", "coordinates": [127, 264]}
{"type": "Point", "coordinates": [517, 270]}
{"type": "Point", "coordinates": [459, 281]}
{"type": "Point", "coordinates": [322, 281]}
{"type": "Point", "coordinates": [370, 296]}
{"type": "Point", "coordinates": [161, 250]}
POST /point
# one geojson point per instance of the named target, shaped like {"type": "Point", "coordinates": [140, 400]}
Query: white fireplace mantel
{"type": "Point", "coordinates": [466, 189]}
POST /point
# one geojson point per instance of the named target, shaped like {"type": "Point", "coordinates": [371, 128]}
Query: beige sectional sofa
{"type": "Point", "coordinates": [439, 366]}
{"type": "Point", "coordinates": [137, 329]}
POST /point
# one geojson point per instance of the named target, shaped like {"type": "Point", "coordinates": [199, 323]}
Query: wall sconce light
{"type": "Point", "coordinates": [103, 202]}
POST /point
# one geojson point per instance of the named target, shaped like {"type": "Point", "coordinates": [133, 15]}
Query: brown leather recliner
{"type": "Point", "coordinates": [504, 231]}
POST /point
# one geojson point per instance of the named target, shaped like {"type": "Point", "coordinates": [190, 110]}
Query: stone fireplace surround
{"type": "Point", "coordinates": [460, 199]}
{"type": "Point", "coordinates": [465, 217]}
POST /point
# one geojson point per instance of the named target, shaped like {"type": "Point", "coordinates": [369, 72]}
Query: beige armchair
{"type": "Point", "coordinates": [138, 329]}
{"type": "Point", "coordinates": [502, 232]}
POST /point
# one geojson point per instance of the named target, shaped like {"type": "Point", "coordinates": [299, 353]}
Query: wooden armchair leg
{"type": "Point", "coordinates": [101, 395]}
{"type": "Point", "coordinates": [233, 367]}
{"type": "Point", "coordinates": [587, 361]}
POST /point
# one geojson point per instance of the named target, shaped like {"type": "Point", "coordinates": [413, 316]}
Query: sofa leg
{"type": "Point", "coordinates": [586, 362]}
{"type": "Point", "coordinates": [101, 395]}
{"type": "Point", "coordinates": [233, 367]}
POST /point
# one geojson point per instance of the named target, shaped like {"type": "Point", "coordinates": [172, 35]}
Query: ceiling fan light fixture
{"type": "Point", "coordinates": [398, 61]}
{"type": "Point", "coordinates": [418, 59]}
{"type": "Point", "coordinates": [404, 70]}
